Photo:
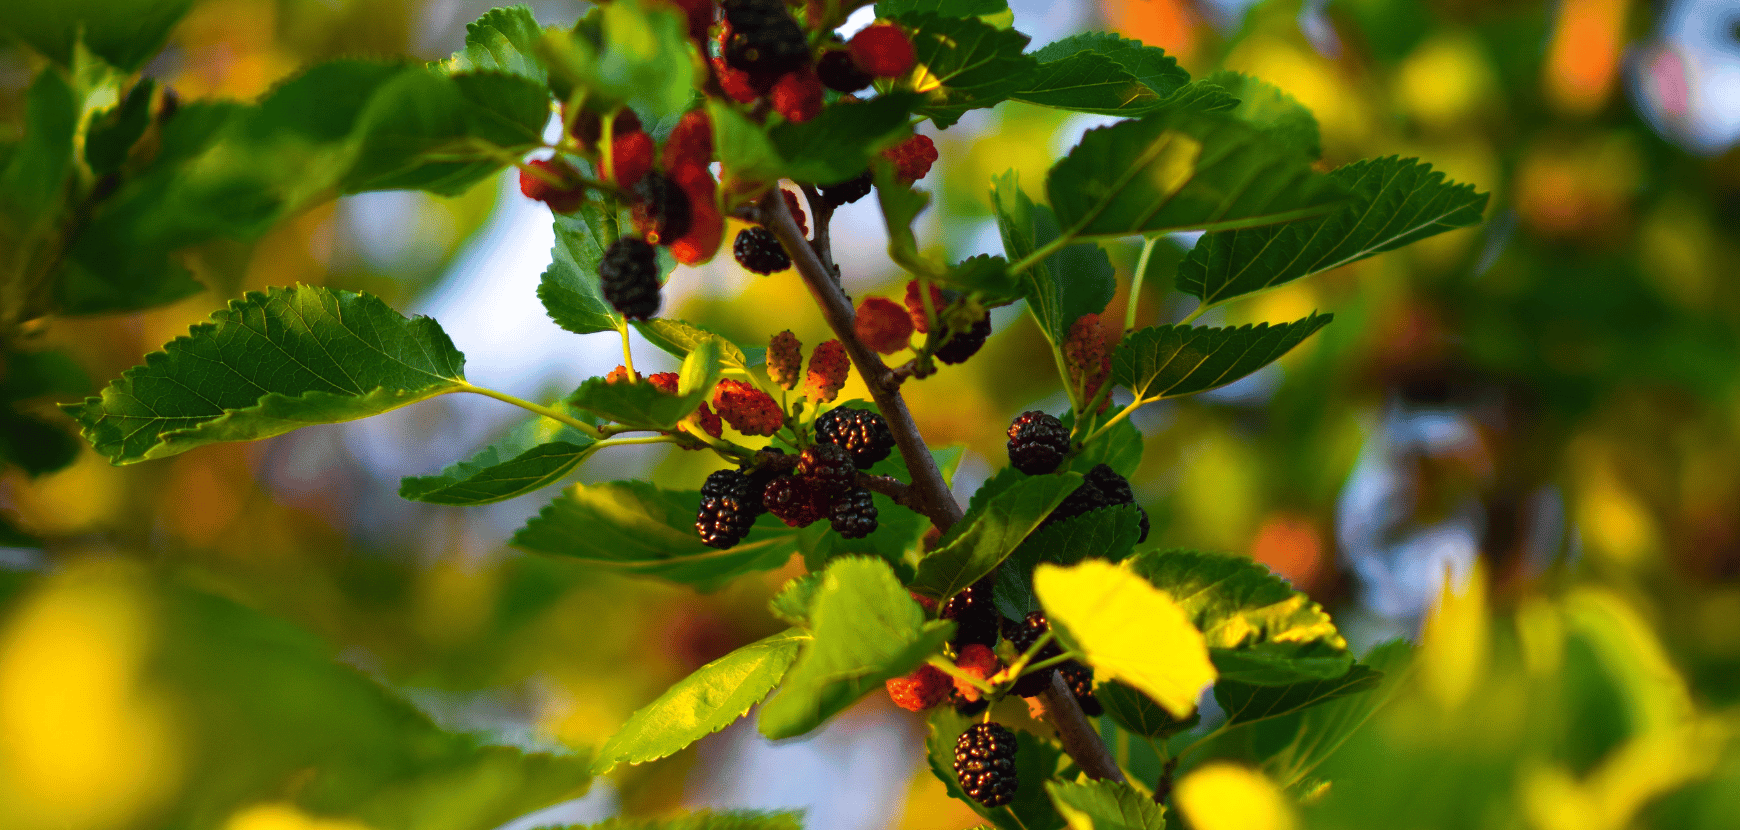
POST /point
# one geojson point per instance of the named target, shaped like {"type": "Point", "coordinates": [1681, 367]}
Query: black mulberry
{"type": "Point", "coordinates": [1037, 443]}
{"type": "Point", "coordinates": [765, 39]}
{"type": "Point", "coordinates": [661, 208]}
{"type": "Point", "coordinates": [974, 614]}
{"type": "Point", "coordinates": [840, 73]}
{"type": "Point", "coordinates": [863, 433]}
{"type": "Point", "coordinates": [728, 509]}
{"type": "Point", "coordinates": [829, 466]}
{"type": "Point", "coordinates": [853, 515]}
{"type": "Point", "coordinates": [985, 763]}
{"type": "Point", "coordinates": [964, 344]}
{"type": "Point", "coordinates": [848, 191]}
{"type": "Point", "coordinates": [1080, 680]}
{"type": "Point", "coordinates": [758, 250]}
{"type": "Point", "coordinates": [629, 277]}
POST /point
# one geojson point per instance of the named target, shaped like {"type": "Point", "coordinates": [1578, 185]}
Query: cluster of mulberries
{"type": "Point", "coordinates": [764, 52]}
{"type": "Point", "coordinates": [732, 499]}
{"type": "Point", "coordinates": [1101, 487]}
{"type": "Point", "coordinates": [1080, 678]}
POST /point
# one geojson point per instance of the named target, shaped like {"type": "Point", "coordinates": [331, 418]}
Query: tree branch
{"type": "Point", "coordinates": [931, 495]}
{"type": "Point", "coordinates": [1079, 738]}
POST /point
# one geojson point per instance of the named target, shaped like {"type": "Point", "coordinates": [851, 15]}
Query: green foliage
{"type": "Point", "coordinates": [1171, 361]}
{"type": "Point", "coordinates": [1103, 73]}
{"type": "Point", "coordinates": [267, 364]}
{"type": "Point", "coordinates": [680, 337]}
{"type": "Point", "coordinates": [943, 8]}
{"type": "Point", "coordinates": [965, 64]}
{"type": "Point", "coordinates": [570, 289]}
{"type": "Point", "coordinates": [26, 441]}
{"type": "Point", "coordinates": [1036, 760]}
{"type": "Point", "coordinates": [706, 701]}
{"type": "Point", "coordinates": [502, 40]}
{"type": "Point", "coordinates": [1396, 202]}
{"type": "Point", "coordinates": [124, 33]}
{"type": "Point", "coordinates": [112, 132]}
{"type": "Point", "coordinates": [1264, 106]}
{"type": "Point", "coordinates": [1138, 714]}
{"type": "Point", "coordinates": [832, 147]}
{"type": "Point", "coordinates": [636, 527]}
{"type": "Point", "coordinates": [707, 820]}
{"type": "Point", "coordinates": [1106, 805]}
{"type": "Point", "coordinates": [1293, 745]}
{"type": "Point", "coordinates": [642, 405]}
{"type": "Point", "coordinates": [983, 539]}
{"type": "Point", "coordinates": [1248, 703]}
{"type": "Point", "coordinates": [1109, 533]}
{"type": "Point", "coordinates": [1179, 170]}
{"type": "Point", "coordinates": [625, 53]}
{"type": "Point", "coordinates": [866, 629]}
{"type": "Point", "coordinates": [1258, 629]}
{"type": "Point", "coordinates": [537, 453]}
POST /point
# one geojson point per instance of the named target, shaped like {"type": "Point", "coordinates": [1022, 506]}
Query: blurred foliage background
{"type": "Point", "coordinates": [1531, 426]}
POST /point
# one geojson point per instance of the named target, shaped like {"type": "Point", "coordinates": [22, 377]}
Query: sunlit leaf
{"type": "Point", "coordinates": [1139, 714]}
{"type": "Point", "coordinates": [963, 64]}
{"type": "Point", "coordinates": [1396, 202]}
{"type": "Point", "coordinates": [570, 290]}
{"type": "Point", "coordinates": [1109, 533]}
{"type": "Point", "coordinates": [114, 131]}
{"type": "Point", "coordinates": [1224, 796]}
{"type": "Point", "coordinates": [1101, 72]}
{"type": "Point", "coordinates": [1105, 805]}
{"type": "Point", "coordinates": [867, 629]}
{"type": "Point", "coordinates": [1128, 629]}
{"type": "Point", "coordinates": [534, 454]}
{"type": "Point", "coordinates": [1181, 170]}
{"type": "Point", "coordinates": [792, 603]}
{"type": "Point", "coordinates": [708, 700]}
{"type": "Point", "coordinates": [1062, 287]}
{"type": "Point", "coordinates": [1036, 761]}
{"type": "Point", "coordinates": [644, 406]}
{"type": "Point", "coordinates": [267, 364]}
{"type": "Point", "coordinates": [679, 337]}
{"type": "Point", "coordinates": [502, 40]}
{"type": "Point", "coordinates": [1264, 106]}
{"type": "Point", "coordinates": [630, 53]}
{"type": "Point", "coordinates": [1170, 361]}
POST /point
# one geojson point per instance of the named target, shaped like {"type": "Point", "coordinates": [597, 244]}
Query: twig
{"type": "Point", "coordinates": [888, 486]}
{"type": "Point", "coordinates": [1079, 738]}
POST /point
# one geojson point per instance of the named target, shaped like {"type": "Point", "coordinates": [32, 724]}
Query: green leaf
{"type": "Point", "coordinates": [502, 40]}
{"type": "Point", "coordinates": [867, 630]}
{"type": "Point", "coordinates": [792, 603]}
{"type": "Point", "coordinates": [706, 820]}
{"type": "Point", "coordinates": [1178, 170]}
{"type": "Point", "coordinates": [535, 454]}
{"type": "Point", "coordinates": [1109, 533]}
{"type": "Point", "coordinates": [125, 33]}
{"type": "Point", "coordinates": [1128, 630]}
{"type": "Point", "coordinates": [900, 205]}
{"type": "Point", "coordinates": [1105, 805]}
{"type": "Point", "coordinates": [1258, 629]}
{"type": "Point", "coordinates": [1396, 202]}
{"type": "Point", "coordinates": [639, 528]}
{"type": "Point", "coordinates": [570, 290]}
{"type": "Point", "coordinates": [1249, 703]}
{"type": "Point", "coordinates": [679, 337]}
{"type": "Point", "coordinates": [1171, 361]}
{"type": "Point", "coordinates": [1264, 106]}
{"type": "Point", "coordinates": [644, 406]}
{"type": "Point", "coordinates": [1138, 713]}
{"type": "Point", "coordinates": [1200, 96]}
{"type": "Point", "coordinates": [986, 274]}
{"type": "Point", "coordinates": [48, 372]}
{"type": "Point", "coordinates": [114, 131]}
{"type": "Point", "coordinates": [1119, 447]}
{"type": "Point", "coordinates": [840, 142]}
{"type": "Point", "coordinates": [1102, 73]}
{"type": "Point", "coordinates": [710, 699]}
{"type": "Point", "coordinates": [629, 53]}
{"type": "Point", "coordinates": [267, 364]}
{"type": "Point", "coordinates": [963, 64]}
{"type": "Point", "coordinates": [1063, 286]}
{"type": "Point", "coordinates": [1295, 744]}
{"type": "Point", "coordinates": [1036, 761]}
{"type": "Point", "coordinates": [946, 8]}
{"type": "Point", "coordinates": [33, 445]}
{"type": "Point", "coordinates": [417, 120]}
{"type": "Point", "coordinates": [980, 541]}
{"type": "Point", "coordinates": [34, 177]}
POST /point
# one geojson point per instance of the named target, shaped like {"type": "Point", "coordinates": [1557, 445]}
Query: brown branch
{"type": "Point", "coordinates": [1079, 737]}
{"type": "Point", "coordinates": [888, 486]}
{"type": "Point", "coordinates": [930, 493]}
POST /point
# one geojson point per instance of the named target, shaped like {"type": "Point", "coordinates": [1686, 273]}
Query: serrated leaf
{"type": "Point", "coordinates": [114, 131]}
{"type": "Point", "coordinates": [1258, 629]}
{"type": "Point", "coordinates": [639, 528]}
{"type": "Point", "coordinates": [1200, 96]}
{"type": "Point", "coordinates": [679, 337]}
{"type": "Point", "coordinates": [792, 603]}
{"type": "Point", "coordinates": [840, 142]}
{"type": "Point", "coordinates": [1109, 533]}
{"type": "Point", "coordinates": [1128, 630]}
{"type": "Point", "coordinates": [986, 274]}
{"type": "Point", "coordinates": [1105, 805]}
{"type": "Point", "coordinates": [963, 64]}
{"type": "Point", "coordinates": [945, 8]}
{"type": "Point", "coordinates": [706, 820]}
{"type": "Point", "coordinates": [125, 33]}
{"type": "Point", "coordinates": [1036, 761]}
{"type": "Point", "coordinates": [570, 290]}
{"type": "Point", "coordinates": [1139, 714]}
{"type": "Point", "coordinates": [901, 204]}
{"type": "Point", "coordinates": [982, 540]}
{"type": "Point", "coordinates": [867, 629]}
{"type": "Point", "coordinates": [1103, 73]}
{"type": "Point", "coordinates": [640, 57]}
{"type": "Point", "coordinates": [1249, 703]}
{"type": "Point", "coordinates": [267, 364]}
{"type": "Point", "coordinates": [1395, 202]}
{"type": "Point", "coordinates": [502, 40]}
{"type": "Point", "coordinates": [424, 131]}
{"type": "Point", "coordinates": [534, 454]}
{"type": "Point", "coordinates": [1264, 106]}
{"type": "Point", "coordinates": [1295, 744]}
{"type": "Point", "coordinates": [644, 406]}
{"type": "Point", "coordinates": [1183, 170]}
{"type": "Point", "coordinates": [708, 700]}
{"type": "Point", "coordinates": [1171, 361]}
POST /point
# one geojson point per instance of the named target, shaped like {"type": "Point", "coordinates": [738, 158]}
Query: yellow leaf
{"type": "Point", "coordinates": [1129, 630]}
{"type": "Point", "coordinates": [1453, 646]}
{"type": "Point", "coordinates": [1226, 796]}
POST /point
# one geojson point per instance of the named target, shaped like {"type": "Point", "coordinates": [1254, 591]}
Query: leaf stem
{"type": "Point", "coordinates": [548, 412]}
{"type": "Point", "coordinates": [1191, 317]}
{"type": "Point", "coordinates": [954, 671]}
{"type": "Point", "coordinates": [1040, 253]}
{"type": "Point", "coordinates": [1122, 414]}
{"type": "Point", "coordinates": [627, 353]}
{"type": "Point", "coordinates": [1136, 280]}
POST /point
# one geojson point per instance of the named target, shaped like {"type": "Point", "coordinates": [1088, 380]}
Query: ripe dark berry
{"type": "Point", "coordinates": [861, 432]}
{"type": "Point", "coordinates": [974, 615]}
{"type": "Point", "coordinates": [1023, 635]}
{"type": "Point", "coordinates": [840, 73]}
{"type": "Point", "coordinates": [848, 191]}
{"type": "Point", "coordinates": [1080, 680]}
{"type": "Point", "coordinates": [797, 501]}
{"type": "Point", "coordinates": [629, 277]}
{"type": "Point", "coordinates": [728, 509]}
{"type": "Point", "coordinates": [830, 465]}
{"type": "Point", "coordinates": [1038, 442]}
{"type": "Point", "coordinates": [1101, 487]}
{"type": "Point", "coordinates": [764, 37]}
{"type": "Point", "coordinates": [853, 515]}
{"type": "Point", "coordinates": [661, 208]}
{"type": "Point", "coordinates": [964, 344]}
{"type": "Point", "coordinates": [985, 763]}
{"type": "Point", "coordinates": [758, 250]}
